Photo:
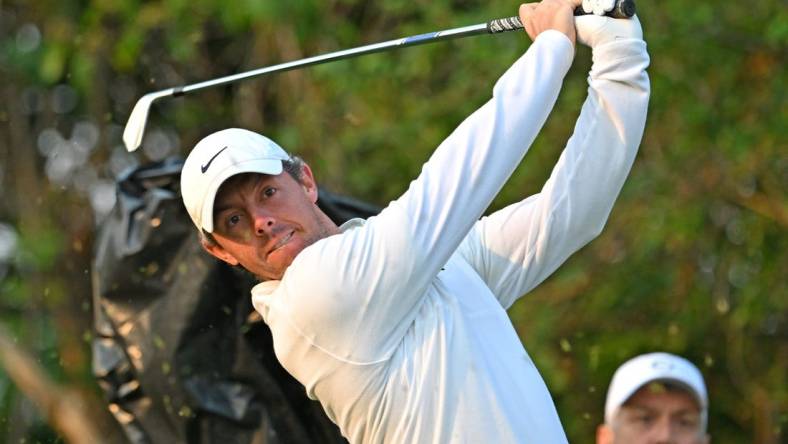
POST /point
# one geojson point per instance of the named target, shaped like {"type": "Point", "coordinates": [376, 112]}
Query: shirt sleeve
{"type": "Point", "coordinates": [517, 247]}
{"type": "Point", "coordinates": [379, 273]}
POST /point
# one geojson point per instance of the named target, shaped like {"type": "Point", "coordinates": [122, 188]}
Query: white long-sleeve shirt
{"type": "Point", "coordinates": [398, 324]}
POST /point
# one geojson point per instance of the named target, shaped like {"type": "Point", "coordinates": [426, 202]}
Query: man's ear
{"type": "Point", "coordinates": [219, 252]}
{"type": "Point", "coordinates": [604, 434]}
{"type": "Point", "coordinates": [308, 183]}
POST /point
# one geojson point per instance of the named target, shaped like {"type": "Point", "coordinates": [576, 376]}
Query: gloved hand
{"type": "Point", "coordinates": [594, 30]}
{"type": "Point", "coordinates": [598, 7]}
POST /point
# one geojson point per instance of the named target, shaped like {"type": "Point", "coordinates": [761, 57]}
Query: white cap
{"type": "Point", "coordinates": [653, 367]}
{"type": "Point", "coordinates": [218, 157]}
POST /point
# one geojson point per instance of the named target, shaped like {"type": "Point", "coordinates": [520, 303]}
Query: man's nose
{"type": "Point", "coordinates": [263, 223]}
{"type": "Point", "coordinates": [664, 432]}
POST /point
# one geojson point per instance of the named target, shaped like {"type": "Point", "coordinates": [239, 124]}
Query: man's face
{"type": "Point", "coordinates": [655, 415]}
{"type": "Point", "coordinates": [263, 222]}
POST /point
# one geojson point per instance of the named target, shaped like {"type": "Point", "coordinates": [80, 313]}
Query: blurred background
{"type": "Point", "coordinates": [694, 259]}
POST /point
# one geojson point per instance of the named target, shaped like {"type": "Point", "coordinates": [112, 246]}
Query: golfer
{"type": "Point", "coordinates": [655, 398]}
{"type": "Point", "coordinates": [397, 324]}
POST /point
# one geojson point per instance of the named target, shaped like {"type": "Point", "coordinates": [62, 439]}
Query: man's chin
{"type": "Point", "coordinates": [280, 259]}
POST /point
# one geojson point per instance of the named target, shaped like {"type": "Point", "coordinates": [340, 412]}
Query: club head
{"type": "Point", "coordinates": [135, 126]}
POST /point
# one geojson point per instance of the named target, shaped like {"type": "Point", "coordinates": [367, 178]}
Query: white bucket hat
{"type": "Point", "coordinates": [218, 157]}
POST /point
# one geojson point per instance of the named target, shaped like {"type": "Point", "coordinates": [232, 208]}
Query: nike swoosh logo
{"type": "Point", "coordinates": [205, 167]}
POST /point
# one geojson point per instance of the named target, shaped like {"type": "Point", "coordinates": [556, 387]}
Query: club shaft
{"type": "Point", "coordinates": [624, 8]}
{"type": "Point", "coordinates": [420, 39]}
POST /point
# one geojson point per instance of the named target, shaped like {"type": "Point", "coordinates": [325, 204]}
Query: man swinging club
{"type": "Point", "coordinates": [397, 324]}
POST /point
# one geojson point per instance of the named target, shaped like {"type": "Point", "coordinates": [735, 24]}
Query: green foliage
{"type": "Point", "coordinates": [693, 259]}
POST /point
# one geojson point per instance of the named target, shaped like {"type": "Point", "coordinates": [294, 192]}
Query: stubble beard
{"type": "Point", "coordinates": [324, 228]}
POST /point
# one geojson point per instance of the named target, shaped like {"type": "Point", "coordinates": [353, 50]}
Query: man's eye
{"type": "Point", "coordinates": [688, 422]}
{"type": "Point", "coordinates": [233, 220]}
{"type": "Point", "coordinates": [270, 191]}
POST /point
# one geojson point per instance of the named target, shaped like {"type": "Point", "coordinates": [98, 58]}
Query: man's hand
{"type": "Point", "coordinates": [549, 14]}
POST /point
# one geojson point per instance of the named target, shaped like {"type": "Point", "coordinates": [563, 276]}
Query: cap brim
{"type": "Point", "coordinates": [271, 167]}
{"type": "Point", "coordinates": [625, 396]}
{"type": "Point", "coordinates": [686, 386]}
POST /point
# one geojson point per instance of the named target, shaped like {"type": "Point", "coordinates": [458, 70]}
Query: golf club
{"type": "Point", "coordinates": [135, 127]}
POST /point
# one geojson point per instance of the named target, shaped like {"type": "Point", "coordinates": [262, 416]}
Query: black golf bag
{"type": "Point", "coordinates": [179, 352]}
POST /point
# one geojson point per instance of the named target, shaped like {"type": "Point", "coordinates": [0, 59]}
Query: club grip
{"type": "Point", "coordinates": [622, 9]}
{"type": "Point", "coordinates": [504, 24]}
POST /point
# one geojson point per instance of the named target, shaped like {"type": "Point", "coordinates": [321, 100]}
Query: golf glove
{"type": "Point", "coordinates": [598, 7]}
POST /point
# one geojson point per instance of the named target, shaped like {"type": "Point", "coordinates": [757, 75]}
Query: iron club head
{"type": "Point", "coordinates": [135, 126]}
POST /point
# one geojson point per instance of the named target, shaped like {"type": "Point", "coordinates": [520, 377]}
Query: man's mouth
{"type": "Point", "coordinates": [281, 242]}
